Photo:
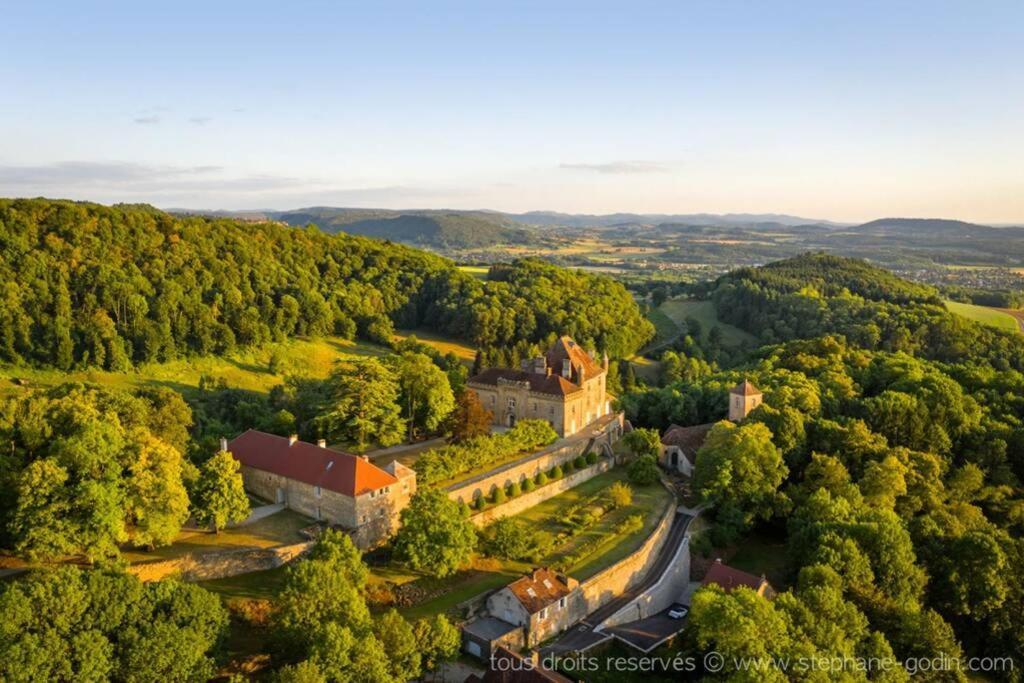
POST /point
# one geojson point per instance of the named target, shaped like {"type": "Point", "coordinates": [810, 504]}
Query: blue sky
{"type": "Point", "coordinates": [841, 110]}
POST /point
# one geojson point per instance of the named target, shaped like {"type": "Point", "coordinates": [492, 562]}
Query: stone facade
{"type": "Point", "coordinates": [743, 398]}
{"type": "Point", "coordinates": [566, 387]}
{"type": "Point", "coordinates": [547, 618]}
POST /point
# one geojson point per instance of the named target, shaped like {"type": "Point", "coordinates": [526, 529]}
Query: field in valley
{"type": "Point", "coordinates": [704, 312]}
{"type": "Point", "coordinates": [988, 316]}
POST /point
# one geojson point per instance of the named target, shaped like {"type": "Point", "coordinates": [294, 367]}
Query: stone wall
{"type": "Point", "coordinates": [668, 589]}
{"type": "Point", "coordinates": [219, 565]}
{"type": "Point", "coordinates": [539, 495]}
{"type": "Point", "coordinates": [610, 583]}
{"type": "Point", "coordinates": [529, 466]}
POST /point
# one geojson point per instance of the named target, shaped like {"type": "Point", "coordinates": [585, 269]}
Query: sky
{"type": "Point", "coordinates": [836, 110]}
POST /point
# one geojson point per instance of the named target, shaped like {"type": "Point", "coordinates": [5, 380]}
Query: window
{"type": "Point", "coordinates": [535, 406]}
{"type": "Point", "coordinates": [551, 410]}
{"type": "Point", "coordinates": [543, 614]}
{"type": "Point", "coordinates": [547, 584]}
{"type": "Point", "coordinates": [366, 518]}
{"type": "Point", "coordinates": [561, 604]}
{"type": "Point", "coordinates": [511, 402]}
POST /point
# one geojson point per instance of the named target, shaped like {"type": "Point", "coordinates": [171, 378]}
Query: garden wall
{"type": "Point", "coordinates": [612, 582]}
{"type": "Point", "coordinates": [529, 466]}
{"type": "Point", "coordinates": [667, 590]}
{"type": "Point", "coordinates": [539, 495]}
{"type": "Point", "coordinates": [219, 565]}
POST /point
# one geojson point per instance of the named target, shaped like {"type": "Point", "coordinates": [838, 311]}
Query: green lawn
{"type": "Point", "coordinates": [985, 315]}
{"type": "Point", "coordinates": [265, 585]}
{"type": "Point", "coordinates": [281, 528]}
{"type": "Point", "coordinates": [443, 344]}
{"type": "Point", "coordinates": [249, 369]}
{"type": "Point", "coordinates": [704, 312]}
{"type": "Point", "coordinates": [479, 272]}
{"type": "Point", "coordinates": [665, 328]}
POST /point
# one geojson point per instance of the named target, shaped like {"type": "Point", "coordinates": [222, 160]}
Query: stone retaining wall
{"type": "Point", "coordinates": [531, 466]}
{"type": "Point", "coordinates": [610, 583]}
{"type": "Point", "coordinates": [668, 589]}
{"type": "Point", "coordinates": [539, 495]}
{"type": "Point", "coordinates": [219, 565]}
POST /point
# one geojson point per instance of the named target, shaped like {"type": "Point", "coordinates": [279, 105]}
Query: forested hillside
{"type": "Point", "coordinates": [889, 452]}
{"type": "Point", "coordinates": [89, 285]}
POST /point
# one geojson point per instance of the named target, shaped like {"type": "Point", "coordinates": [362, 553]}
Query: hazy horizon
{"type": "Point", "coordinates": [842, 112]}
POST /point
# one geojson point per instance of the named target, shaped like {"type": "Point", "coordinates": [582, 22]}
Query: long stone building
{"type": "Point", "coordinates": [565, 386]}
{"type": "Point", "coordinates": [325, 484]}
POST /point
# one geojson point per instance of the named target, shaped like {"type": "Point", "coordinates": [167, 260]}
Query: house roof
{"type": "Point", "coordinates": [687, 439]}
{"type": "Point", "coordinates": [540, 588]}
{"type": "Point", "coordinates": [315, 465]}
{"type": "Point", "coordinates": [745, 388]}
{"type": "Point", "coordinates": [488, 628]}
{"type": "Point", "coordinates": [564, 348]}
{"type": "Point", "coordinates": [553, 384]}
{"type": "Point", "coordinates": [729, 578]}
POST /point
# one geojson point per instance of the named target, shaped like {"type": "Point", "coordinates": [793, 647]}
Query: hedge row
{"type": "Point", "coordinates": [454, 459]}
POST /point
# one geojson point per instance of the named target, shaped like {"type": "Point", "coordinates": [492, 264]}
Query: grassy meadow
{"type": "Point", "coordinates": [704, 312]}
{"type": "Point", "coordinates": [985, 315]}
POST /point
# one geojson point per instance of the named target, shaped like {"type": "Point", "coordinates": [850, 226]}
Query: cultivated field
{"type": "Point", "coordinates": [985, 315]}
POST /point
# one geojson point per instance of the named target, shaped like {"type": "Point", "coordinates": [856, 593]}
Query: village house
{"type": "Point", "coordinates": [730, 579]}
{"type": "Point", "coordinates": [565, 386]}
{"type": "Point", "coordinates": [326, 484]}
{"type": "Point", "coordinates": [679, 445]}
{"type": "Point", "coordinates": [544, 603]}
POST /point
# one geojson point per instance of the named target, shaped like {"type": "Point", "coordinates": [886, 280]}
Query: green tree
{"type": "Point", "coordinates": [434, 536]}
{"type": "Point", "coordinates": [643, 441]}
{"type": "Point", "coordinates": [644, 470]}
{"type": "Point", "coordinates": [220, 496]}
{"type": "Point", "coordinates": [426, 393]}
{"type": "Point", "coordinates": [438, 641]}
{"type": "Point", "coordinates": [157, 501]}
{"type": "Point", "coordinates": [399, 642]}
{"type": "Point", "coordinates": [362, 404]}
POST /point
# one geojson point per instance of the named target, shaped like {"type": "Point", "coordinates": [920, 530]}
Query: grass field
{"type": "Point", "coordinates": [704, 312]}
{"type": "Point", "coordinates": [248, 369]}
{"type": "Point", "coordinates": [985, 315]}
{"type": "Point", "coordinates": [281, 528]}
{"type": "Point", "coordinates": [479, 272]}
{"type": "Point", "coordinates": [665, 328]}
{"type": "Point", "coordinates": [443, 344]}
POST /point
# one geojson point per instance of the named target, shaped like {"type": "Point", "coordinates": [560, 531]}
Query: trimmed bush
{"type": "Point", "coordinates": [542, 478]}
{"type": "Point", "coordinates": [464, 508]}
{"type": "Point", "coordinates": [529, 485]}
{"type": "Point", "coordinates": [481, 503]}
{"type": "Point", "coordinates": [644, 470]}
{"type": "Point", "coordinates": [499, 495]}
{"type": "Point", "coordinates": [620, 495]}
{"type": "Point", "coordinates": [514, 489]}
{"type": "Point", "coordinates": [580, 462]}
{"type": "Point", "coordinates": [591, 458]}
{"type": "Point", "coordinates": [556, 472]}
{"type": "Point", "coordinates": [569, 467]}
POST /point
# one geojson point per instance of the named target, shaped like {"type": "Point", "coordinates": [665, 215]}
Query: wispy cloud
{"type": "Point", "coordinates": [147, 120]}
{"type": "Point", "coordinates": [200, 120]}
{"type": "Point", "coordinates": [619, 167]}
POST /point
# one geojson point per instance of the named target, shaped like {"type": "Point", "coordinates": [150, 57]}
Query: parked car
{"type": "Point", "coordinates": [677, 612]}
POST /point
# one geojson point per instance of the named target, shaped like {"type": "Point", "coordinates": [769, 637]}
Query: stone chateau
{"type": "Point", "coordinates": [565, 386]}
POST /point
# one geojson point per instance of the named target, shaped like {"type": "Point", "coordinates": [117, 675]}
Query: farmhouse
{"type": "Point", "coordinates": [565, 386]}
{"type": "Point", "coordinates": [543, 602]}
{"type": "Point", "coordinates": [323, 483]}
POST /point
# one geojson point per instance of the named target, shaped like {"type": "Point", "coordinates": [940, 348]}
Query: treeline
{"type": "Point", "coordinates": [89, 285]}
{"type": "Point", "coordinates": [870, 307]}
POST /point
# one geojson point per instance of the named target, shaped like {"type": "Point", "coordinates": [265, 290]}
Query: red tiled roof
{"type": "Point", "coordinates": [564, 348]}
{"type": "Point", "coordinates": [553, 384]}
{"type": "Point", "coordinates": [687, 439]}
{"type": "Point", "coordinates": [539, 589]}
{"type": "Point", "coordinates": [745, 388]}
{"type": "Point", "coordinates": [315, 465]}
{"type": "Point", "coordinates": [730, 578]}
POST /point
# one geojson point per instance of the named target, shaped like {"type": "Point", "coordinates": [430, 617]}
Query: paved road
{"type": "Point", "coordinates": [583, 636]}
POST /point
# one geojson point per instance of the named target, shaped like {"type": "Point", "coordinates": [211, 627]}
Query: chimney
{"type": "Point", "coordinates": [322, 443]}
{"type": "Point", "coordinates": [605, 363]}
{"type": "Point", "coordinates": [365, 457]}
{"type": "Point", "coordinates": [292, 439]}
{"type": "Point", "coordinates": [540, 365]}
{"type": "Point", "coordinates": [223, 445]}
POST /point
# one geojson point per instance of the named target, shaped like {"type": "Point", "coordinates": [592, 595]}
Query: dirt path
{"type": "Point", "coordinates": [1018, 315]}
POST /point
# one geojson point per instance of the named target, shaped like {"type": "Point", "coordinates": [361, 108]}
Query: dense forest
{"type": "Point", "coordinates": [889, 452]}
{"type": "Point", "coordinates": [89, 285]}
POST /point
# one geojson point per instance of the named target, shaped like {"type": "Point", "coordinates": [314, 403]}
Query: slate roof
{"type": "Point", "coordinates": [539, 589]}
{"type": "Point", "coordinates": [556, 385]}
{"type": "Point", "coordinates": [687, 439]}
{"type": "Point", "coordinates": [745, 388]}
{"type": "Point", "coordinates": [488, 628]}
{"type": "Point", "coordinates": [315, 465]}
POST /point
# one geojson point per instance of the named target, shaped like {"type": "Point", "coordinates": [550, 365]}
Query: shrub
{"type": "Point", "coordinates": [591, 458]}
{"type": "Point", "coordinates": [569, 467]}
{"type": "Point", "coordinates": [529, 485]}
{"type": "Point", "coordinates": [542, 478]}
{"type": "Point", "coordinates": [580, 462]}
{"type": "Point", "coordinates": [513, 539]}
{"type": "Point", "coordinates": [499, 495]}
{"type": "Point", "coordinates": [620, 494]}
{"type": "Point", "coordinates": [514, 489]}
{"type": "Point", "coordinates": [454, 459]}
{"type": "Point", "coordinates": [644, 470]}
{"type": "Point", "coordinates": [556, 472]}
{"type": "Point", "coordinates": [464, 508]}
{"type": "Point", "coordinates": [480, 502]}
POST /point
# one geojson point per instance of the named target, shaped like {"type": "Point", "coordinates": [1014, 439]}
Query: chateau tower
{"type": "Point", "coordinates": [743, 398]}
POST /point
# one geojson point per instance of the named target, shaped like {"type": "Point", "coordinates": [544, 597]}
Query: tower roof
{"type": "Point", "coordinates": [745, 388]}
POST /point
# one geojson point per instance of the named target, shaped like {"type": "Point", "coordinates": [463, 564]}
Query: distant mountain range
{"type": "Point", "coordinates": [457, 229]}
